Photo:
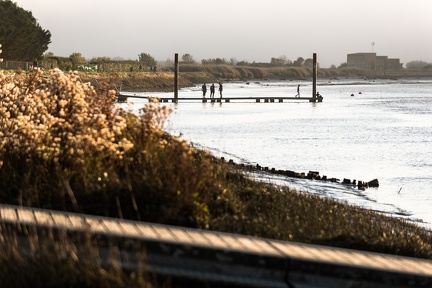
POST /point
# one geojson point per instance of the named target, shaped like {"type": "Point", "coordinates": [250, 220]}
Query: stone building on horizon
{"type": "Point", "coordinates": [372, 62]}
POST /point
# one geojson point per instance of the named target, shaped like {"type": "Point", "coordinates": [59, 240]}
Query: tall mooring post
{"type": "Point", "coordinates": [314, 81]}
{"type": "Point", "coordinates": [176, 75]}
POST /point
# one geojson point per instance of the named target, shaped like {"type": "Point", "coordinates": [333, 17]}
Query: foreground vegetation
{"type": "Point", "coordinates": [64, 145]}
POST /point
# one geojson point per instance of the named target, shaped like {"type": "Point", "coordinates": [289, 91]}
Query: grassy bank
{"type": "Point", "coordinates": [227, 72]}
{"type": "Point", "coordinates": [163, 80]}
{"type": "Point", "coordinates": [64, 145]}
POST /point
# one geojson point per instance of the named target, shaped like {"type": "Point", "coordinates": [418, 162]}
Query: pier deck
{"type": "Point", "coordinates": [264, 99]}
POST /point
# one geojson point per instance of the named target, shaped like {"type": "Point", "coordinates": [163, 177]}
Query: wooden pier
{"type": "Point", "coordinates": [122, 97]}
{"type": "Point", "coordinates": [203, 258]}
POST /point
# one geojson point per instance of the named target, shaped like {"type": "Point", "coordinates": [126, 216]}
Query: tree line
{"type": "Point", "coordinates": [274, 62]}
{"type": "Point", "coordinates": [23, 39]}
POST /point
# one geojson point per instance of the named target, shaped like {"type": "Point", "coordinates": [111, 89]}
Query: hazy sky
{"type": "Point", "coordinates": [250, 30]}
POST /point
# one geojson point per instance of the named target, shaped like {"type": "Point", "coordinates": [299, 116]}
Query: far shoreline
{"type": "Point", "coordinates": [163, 80]}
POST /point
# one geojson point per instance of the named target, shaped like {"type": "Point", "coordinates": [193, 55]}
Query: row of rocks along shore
{"type": "Point", "coordinates": [311, 175]}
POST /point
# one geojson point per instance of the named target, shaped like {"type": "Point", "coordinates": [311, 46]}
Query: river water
{"type": "Point", "coordinates": [364, 129]}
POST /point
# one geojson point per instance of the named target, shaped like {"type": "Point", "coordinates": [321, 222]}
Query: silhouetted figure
{"type": "Point", "coordinates": [212, 91]}
{"type": "Point", "coordinates": [35, 64]}
{"type": "Point", "coordinates": [204, 89]}
{"type": "Point", "coordinates": [220, 89]}
{"type": "Point", "coordinates": [298, 91]}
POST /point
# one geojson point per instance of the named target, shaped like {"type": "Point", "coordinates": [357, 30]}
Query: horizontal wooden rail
{"type": "Point", "coordinates": [233, 260]}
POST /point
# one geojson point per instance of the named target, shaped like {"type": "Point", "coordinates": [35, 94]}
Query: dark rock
{"type": "Point", "coordinates": [290, 173]}
{"type": "Point", "coordinates": [313, 175]}
{"type": "Point", "coordinates": [373, 183]}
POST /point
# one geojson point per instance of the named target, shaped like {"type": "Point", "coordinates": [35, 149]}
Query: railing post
{"type": "Point", "coordinates": [176, 72]}
{"type": "Point", "coordinates": [314, 77]}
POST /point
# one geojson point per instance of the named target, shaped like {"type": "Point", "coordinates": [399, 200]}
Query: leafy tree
{"type": "Point", "coordinates": [77, 59]}
{"type": "Point", "coordinates": [299, 62]}
{"type": "Point", "coordinates": [22, 37]}
{"type": "Point", "coordinates": [216, 61]}
{"type": "Point", "coordinates": [343, 65]}
{"type": "Point", "coordinates": [187, 58]}
{"type": "Point", "coordinates": [416, 64]}
{"type": "Point", "coordinates": [146, 59]}
{"type": "Point", "coordinates": [280, 61]}
{"type": "Point", "coordinates": [243, 63]}
{"type": "Point", "coordinates": [308, 63]}
{"type": "Point", "coordinates": [102, 59]}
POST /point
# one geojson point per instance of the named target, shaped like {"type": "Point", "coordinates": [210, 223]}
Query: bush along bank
{"type": "Point", "coordinates": [65, 145]}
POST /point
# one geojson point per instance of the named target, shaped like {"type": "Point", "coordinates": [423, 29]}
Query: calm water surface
{"type": "Point", "coordinates": [383, 131]}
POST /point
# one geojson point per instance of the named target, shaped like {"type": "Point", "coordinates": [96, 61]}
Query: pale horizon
{"type": "Point", "coordinates": [237, 29]}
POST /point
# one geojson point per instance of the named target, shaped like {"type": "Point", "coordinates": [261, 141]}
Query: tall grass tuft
{"type": "Point", "coordinates": [66, 146]}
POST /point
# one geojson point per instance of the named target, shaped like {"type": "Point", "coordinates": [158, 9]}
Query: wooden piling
{"type": "Point", "coordinates": [314, 77]}
{"type": "Point", "coordinates": [176, 72]}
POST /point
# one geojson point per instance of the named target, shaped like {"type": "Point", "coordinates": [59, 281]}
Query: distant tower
{"type": "Point", "coordinates": [373, 44]}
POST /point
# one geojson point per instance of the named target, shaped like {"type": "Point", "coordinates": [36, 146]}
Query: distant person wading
{"type": "Point", "coordinates": [298, 91]}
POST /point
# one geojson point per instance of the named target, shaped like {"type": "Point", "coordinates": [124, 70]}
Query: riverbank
{"type": "Point", "coordinates": [190, 75]}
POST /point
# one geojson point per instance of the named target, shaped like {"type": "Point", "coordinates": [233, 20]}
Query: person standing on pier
{"type": "Point", "coordinates": [298, 91]}
{"type": "Point", "coordinates": [204, 89]}
{"type": "Point", "coordinates": [220, 89]}
{"type": "Point", "coordinates": [212, 91]}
